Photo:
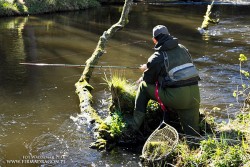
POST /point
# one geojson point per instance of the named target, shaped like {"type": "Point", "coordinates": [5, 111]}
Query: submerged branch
{"type": "Point", "coordinates": [207, 19]}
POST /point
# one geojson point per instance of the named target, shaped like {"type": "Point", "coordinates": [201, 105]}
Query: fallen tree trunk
{"type": "Point", "coordinates": [83, 88]}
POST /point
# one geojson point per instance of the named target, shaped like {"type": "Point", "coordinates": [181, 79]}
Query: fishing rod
{"type": "Point", "coordinates": [76, 65]}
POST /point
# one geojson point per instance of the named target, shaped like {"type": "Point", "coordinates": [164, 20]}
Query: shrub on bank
{"type": "Point", "coordinates": [45, 6]}
{"type": "Point", "coordinates": [9, 8]}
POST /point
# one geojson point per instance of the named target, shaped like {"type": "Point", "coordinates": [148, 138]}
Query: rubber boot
{"type": "Point", "coordinates": [138, 118]}
{"type": "Point", "coordinates": [134, 121]}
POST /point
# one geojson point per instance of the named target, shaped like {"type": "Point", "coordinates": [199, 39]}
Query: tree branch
{"type": "Point", "coordinates": [83, 87]}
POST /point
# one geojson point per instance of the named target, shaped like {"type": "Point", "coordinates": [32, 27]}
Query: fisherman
{"type": "Point", "coordinates": [170, 72]}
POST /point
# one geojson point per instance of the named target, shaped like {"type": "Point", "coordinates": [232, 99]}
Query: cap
{"type": "Point", "coordinates": [160, 29]}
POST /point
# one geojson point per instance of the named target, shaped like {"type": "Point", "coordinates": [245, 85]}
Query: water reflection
{"type": "Point", "coordinates": [37, 103]}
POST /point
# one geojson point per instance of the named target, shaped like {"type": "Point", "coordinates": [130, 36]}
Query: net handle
{"type": "Point", "coordinates": [162, 124]}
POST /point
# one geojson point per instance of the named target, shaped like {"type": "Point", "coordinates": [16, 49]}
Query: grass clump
{"type": "Point", "coordinates": [123, 94]}
{"type": "Point", "coordinates": [213, 152]}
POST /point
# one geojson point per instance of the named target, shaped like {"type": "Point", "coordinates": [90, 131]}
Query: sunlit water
{"type": "Point", "coordinates": [235, 2]}
{"type": "Point", "coordinates": [37, 103]}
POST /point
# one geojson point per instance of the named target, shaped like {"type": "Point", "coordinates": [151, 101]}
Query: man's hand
{"type": "Point", "coordinates": [139, 80]}
{"type": "Point", "coordinates": [143, 67]}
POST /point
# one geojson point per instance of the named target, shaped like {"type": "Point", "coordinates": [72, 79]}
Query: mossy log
{"type": "Point", "coordinates": [83, 88]}
{"type": "Point", "coordinates": [85, 97]}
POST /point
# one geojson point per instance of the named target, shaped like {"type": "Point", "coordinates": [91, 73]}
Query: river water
{"type": "Point", "coordinates": [37, 103]}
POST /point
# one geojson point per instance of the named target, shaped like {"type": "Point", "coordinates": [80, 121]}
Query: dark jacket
{"type": "Point", "coordinates": [177, 55]}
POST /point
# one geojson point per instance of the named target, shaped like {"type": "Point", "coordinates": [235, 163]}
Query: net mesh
{"type": "Point", "coordinates": [160, 143]}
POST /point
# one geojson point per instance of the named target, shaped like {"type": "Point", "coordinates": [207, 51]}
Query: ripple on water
{"type": "Point", "coordinates": [226, 40]}
{"type": "Point", "coordinates": [71, 141]}
{"type": "Point", "coordinates": [217, 86]}
{"type": "Point", "coordinates": [236, 50]}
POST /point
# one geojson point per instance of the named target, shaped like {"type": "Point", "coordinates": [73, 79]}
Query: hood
{"type": "Point", "coordinates": [166, 42]}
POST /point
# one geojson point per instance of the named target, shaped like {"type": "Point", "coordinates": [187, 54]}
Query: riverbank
{"type": "Point", "coordinates": [19, 7]}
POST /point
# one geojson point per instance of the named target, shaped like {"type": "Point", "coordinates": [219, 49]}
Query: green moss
{"type": "Point", "coordinates": [104, 126]}
{"type": "Point", "coordinates": [99, 144]}
{"type": "Point", "coordinates": [94, 115]}
{"type": "Point", "coordinates": [111, 128]}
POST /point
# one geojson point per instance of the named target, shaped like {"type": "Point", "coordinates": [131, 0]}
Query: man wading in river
{"type": "Point", "coordinates": [171, 72]}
